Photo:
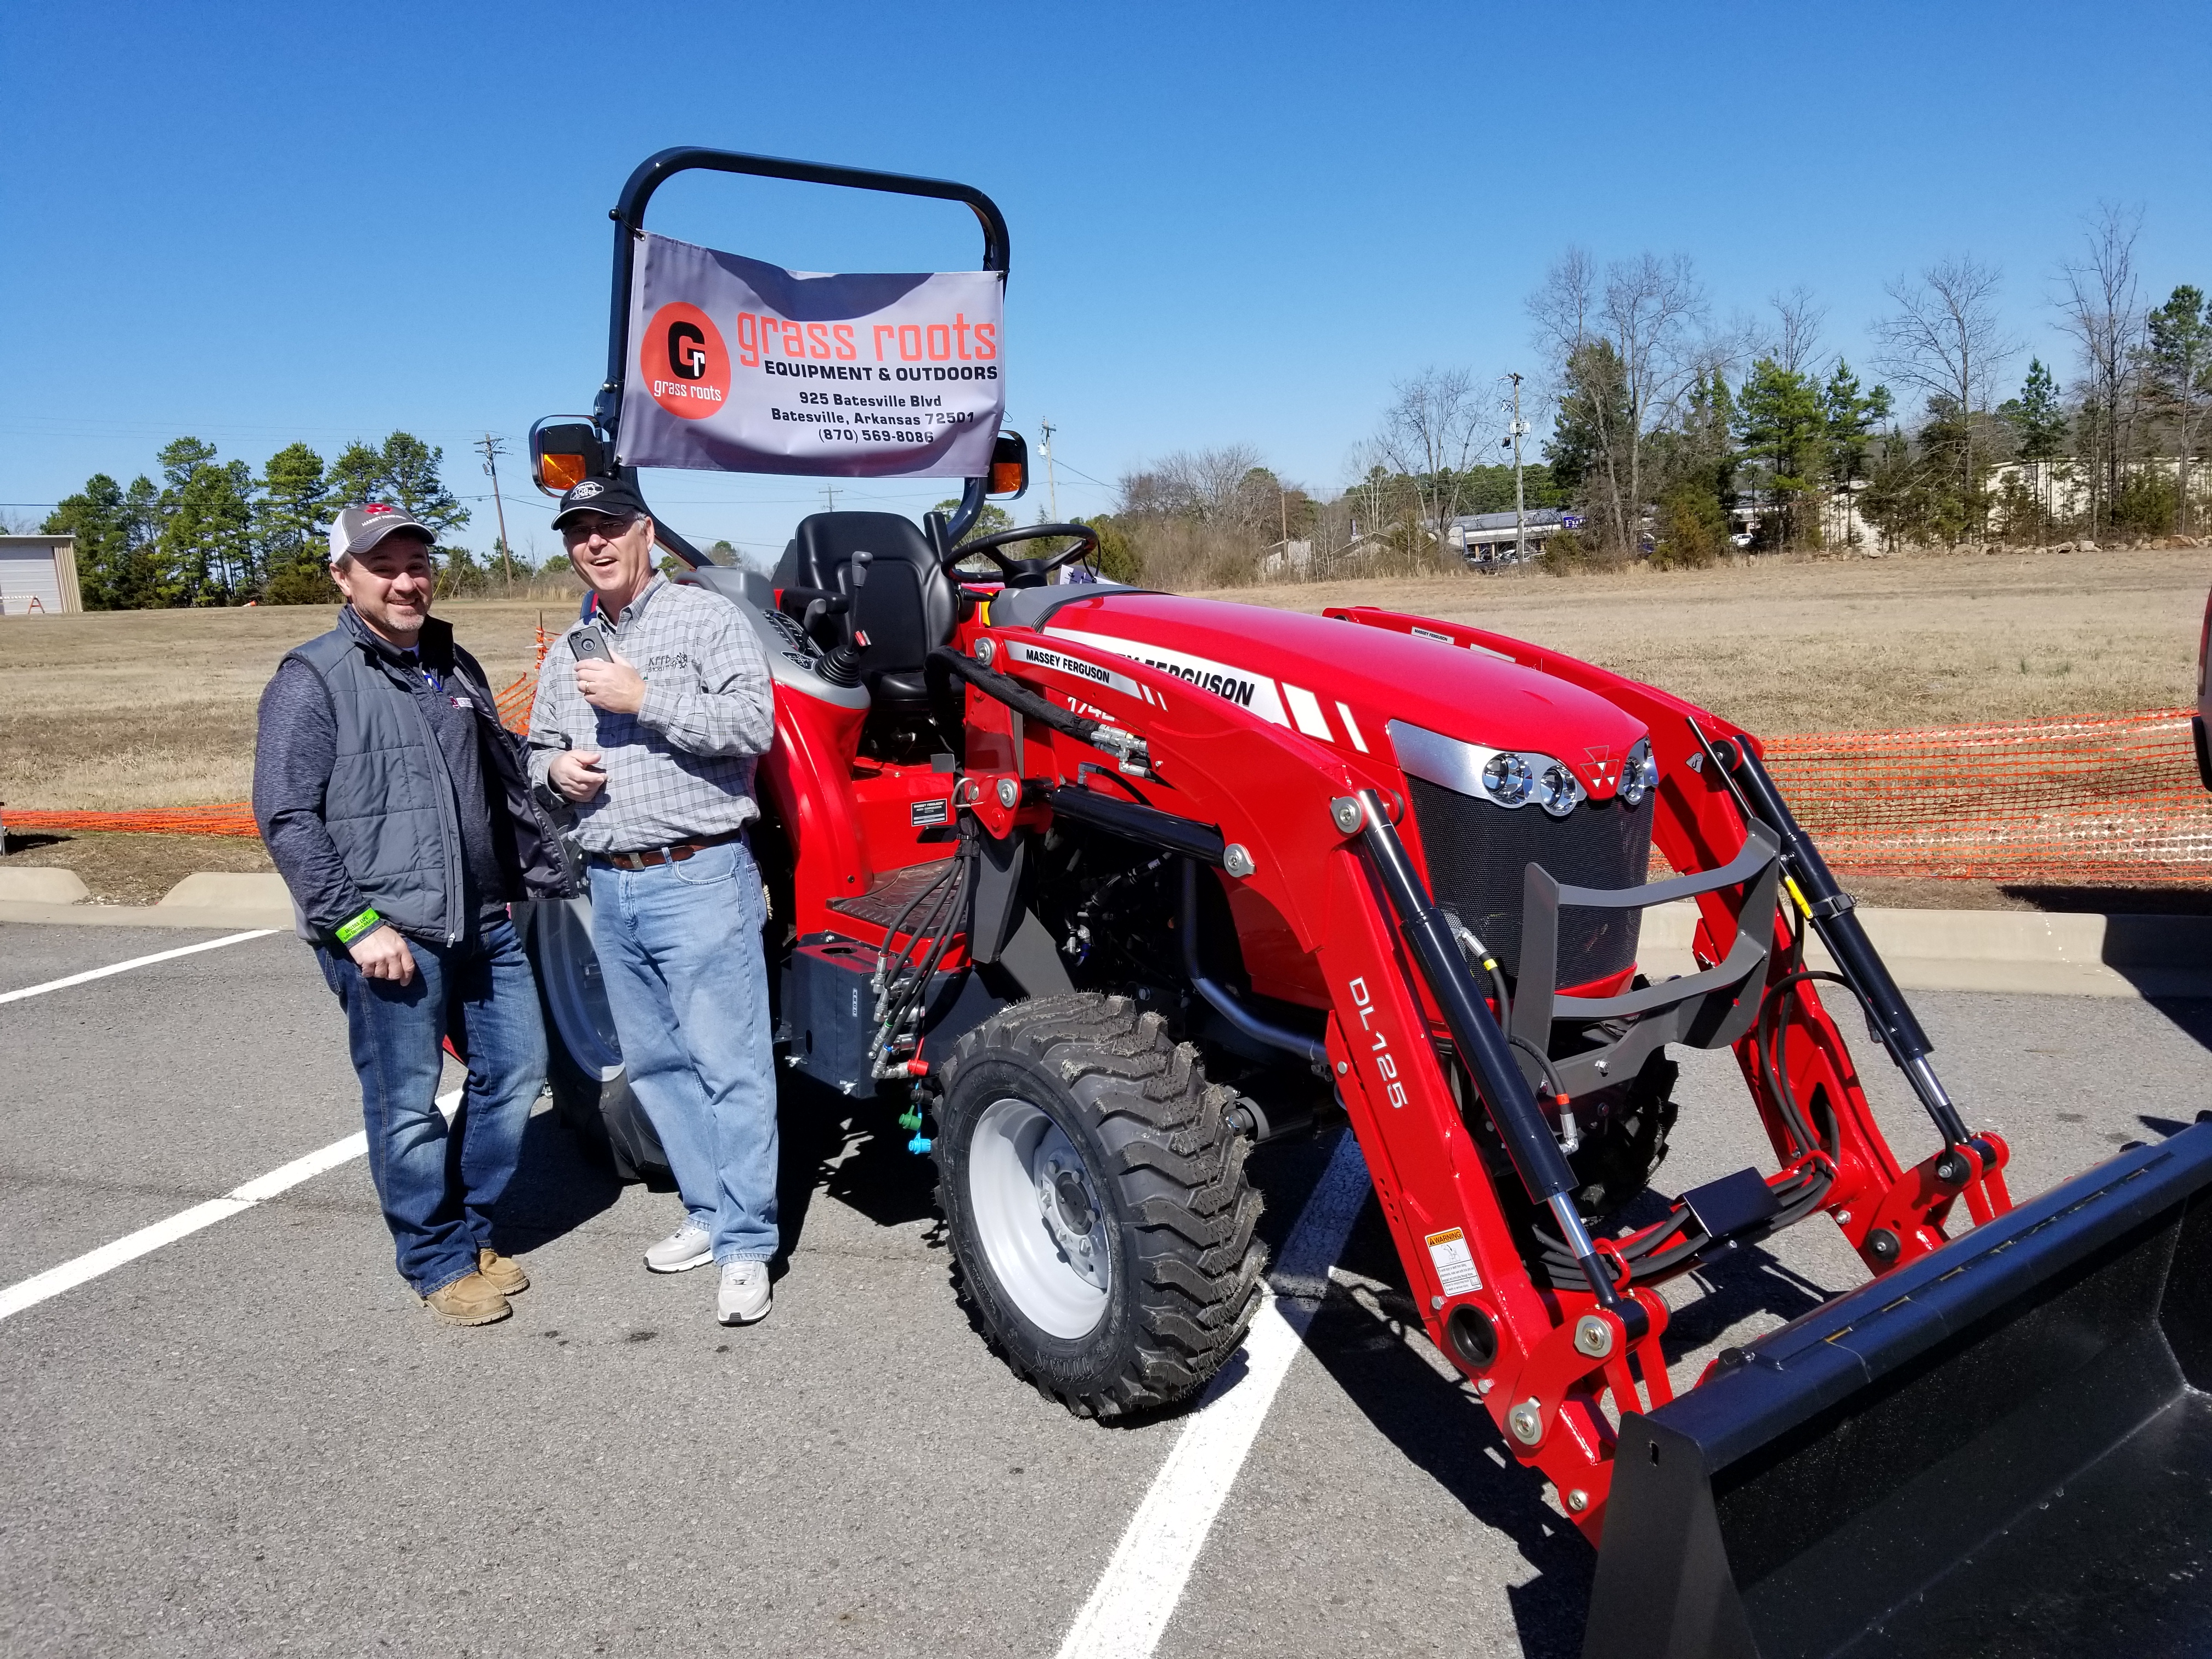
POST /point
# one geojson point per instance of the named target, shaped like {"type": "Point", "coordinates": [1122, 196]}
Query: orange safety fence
{"type": "Point", "coordinates": [2096, 800]}
{"type": "Point", "coordinates": [2101, 800]}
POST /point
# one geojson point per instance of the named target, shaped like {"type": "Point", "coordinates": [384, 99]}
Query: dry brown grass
{"type": "Point", "coordinates": [156, 708]}
{"type": "Point", "coordinates": [1851, 645]}
{"type": "Point", "coordinates": [137, 708]}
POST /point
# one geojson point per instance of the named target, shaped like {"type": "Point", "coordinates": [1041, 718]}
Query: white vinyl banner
{"type": "Point", "coordinates": [741, 367]}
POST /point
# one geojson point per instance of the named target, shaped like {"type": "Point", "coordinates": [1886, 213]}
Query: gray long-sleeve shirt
{"type": "Point", "coordinates": [681, 768]}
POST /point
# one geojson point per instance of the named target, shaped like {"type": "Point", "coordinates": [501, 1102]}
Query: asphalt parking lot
{"type": "Point", "coordinates": [253, 1440]}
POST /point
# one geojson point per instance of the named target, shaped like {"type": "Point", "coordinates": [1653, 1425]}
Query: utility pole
{"type": "Point", "coordinates": [1051, 484]}
{"type": "Point", "coordinates": [829, 495]}
{"type": "Point", "coordinates": [493, 448]}
{"type": "Point", "coordinates": [1520, 501]}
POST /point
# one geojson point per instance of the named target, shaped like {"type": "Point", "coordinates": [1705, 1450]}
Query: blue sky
{"type": "Point", "coordinates": [1230, 224]}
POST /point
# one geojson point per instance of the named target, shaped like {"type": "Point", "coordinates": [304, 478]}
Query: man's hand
{"type": "Point", "coordinates": [614, 686]}
{"type": "Point", "coordinates": [383, 954]}
{"type": "Point", "coordinates": [577, 773]}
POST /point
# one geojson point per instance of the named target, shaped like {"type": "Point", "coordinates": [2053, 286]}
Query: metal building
{"type": "Point", "coordinates": [38, 575]}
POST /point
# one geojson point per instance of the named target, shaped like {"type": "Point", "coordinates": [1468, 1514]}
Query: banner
{"type": "Point", "coordinates": [741, 367]}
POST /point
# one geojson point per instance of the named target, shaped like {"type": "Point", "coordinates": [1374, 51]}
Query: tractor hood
{"type": "Point", "coordinates": [1344, 684]}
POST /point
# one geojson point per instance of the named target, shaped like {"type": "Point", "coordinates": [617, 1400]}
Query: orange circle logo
{"type": "Point", "coordinates": [683, 362]}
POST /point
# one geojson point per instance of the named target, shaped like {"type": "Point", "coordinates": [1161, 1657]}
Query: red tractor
{"type": "Point", "coordinates": [1106, 887]}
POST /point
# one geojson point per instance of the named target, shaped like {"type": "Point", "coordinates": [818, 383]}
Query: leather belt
{"type": "Point", "coordinates": [651, 856]}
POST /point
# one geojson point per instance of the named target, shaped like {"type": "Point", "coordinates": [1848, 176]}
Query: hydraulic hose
{"type": "Point", "coordinates": [1223, 1000]}
{"type": "Point", "coordinates": [1823, 903]}
{"type": "Point", "coordinates": [1536, 1158]}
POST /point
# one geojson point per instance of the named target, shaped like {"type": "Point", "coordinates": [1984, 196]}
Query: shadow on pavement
{"type": "Point", "coordinates": [2192, 1015]}
{"type": "Point", "coordinates": [852, 1150]}
{"type": "Point", "coordinates": [556, 1188]}
{"type": "Point", "coordinates": [1441, 1428]}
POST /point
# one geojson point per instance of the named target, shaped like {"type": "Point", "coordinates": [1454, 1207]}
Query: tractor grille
{"type": "Point", "coordinates": [1478, 852]}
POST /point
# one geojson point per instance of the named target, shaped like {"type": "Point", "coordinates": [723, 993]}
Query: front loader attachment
{"type": "Point", "coordinates": [2003, 1448]}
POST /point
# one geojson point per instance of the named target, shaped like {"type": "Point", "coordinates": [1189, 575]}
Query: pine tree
{"type": "Point", "coordinates": [291, 523]}
{"type": "Point", "coordinates": [2179, 361]}
{"type": "Point", "coordinates": [1851, 415]}
{"type": "Point", "coordinates": [1781, 422]}
{"type": "Point", "coordinates": [97, 517]}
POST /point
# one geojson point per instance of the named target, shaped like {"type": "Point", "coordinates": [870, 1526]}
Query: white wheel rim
{"type": "Point", "coordinates": [1038, 1216]}
{"type": "Point", "coordinates": [568, 967]}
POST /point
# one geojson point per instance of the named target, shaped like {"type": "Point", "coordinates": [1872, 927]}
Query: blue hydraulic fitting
{"type": "Point", "coordinates": [920, 1143]}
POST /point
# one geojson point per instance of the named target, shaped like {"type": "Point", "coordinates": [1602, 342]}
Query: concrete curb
{"type": "Point", "coordinates": [2032, 951]}
{"type": "Point", "coordinates": [2035, 952]}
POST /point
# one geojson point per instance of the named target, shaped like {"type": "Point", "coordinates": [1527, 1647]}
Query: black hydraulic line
{"type": "Point", "coordinates": [1019, 698]}
{"type": "Point", "coordinates": [1542, 1167]}
{"type": "Point", "coordinates": [1223, 999]}
{"type": "Point", "coordinates": [1146, 826]}
{"type": "Point", "coordinates": [1830, 910]}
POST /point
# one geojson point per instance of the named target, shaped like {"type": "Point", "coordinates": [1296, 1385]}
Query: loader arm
{"type": "Point", "coordinates": [1890, 1214]}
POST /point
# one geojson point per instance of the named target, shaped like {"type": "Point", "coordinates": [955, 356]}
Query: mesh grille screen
{"type": "Point", "coordinates": [1478, 851]}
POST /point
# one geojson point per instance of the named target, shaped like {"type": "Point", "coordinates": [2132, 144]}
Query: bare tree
{"type": "Point", "coordinates": [1944, 339]}
{"type": "Point", "coordinates": [1794, 340]}
{"type": "Point", "coordinates": [1646, 315]}
{"type": "Point", "coordinates": [1211, 485]}
{"type": "Point", "coordinates": [1429, 433]}
{"type": "Point", "coordinates": [2100, 299]}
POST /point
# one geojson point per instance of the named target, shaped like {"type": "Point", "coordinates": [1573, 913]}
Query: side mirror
{"type": "Point", "coordinates": [1010, 465]}
{"type": "Point", "coordinates": [565, 451]}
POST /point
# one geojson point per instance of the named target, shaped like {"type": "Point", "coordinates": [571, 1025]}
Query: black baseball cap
{"type": "Point", "coordinates": [616, 497]}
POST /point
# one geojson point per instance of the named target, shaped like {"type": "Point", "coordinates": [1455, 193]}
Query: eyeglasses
{"type": "Point", "coordinates": [604, 525]}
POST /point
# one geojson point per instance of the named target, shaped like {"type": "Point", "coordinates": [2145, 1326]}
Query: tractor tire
{"type": "Point", "coordinates": [592, 1095]}
{"type": "Point", "coordinates": [1095, 1199]}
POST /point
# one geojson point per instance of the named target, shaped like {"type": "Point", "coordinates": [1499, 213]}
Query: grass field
{"type": "Point", "coordinates": [156, 708]}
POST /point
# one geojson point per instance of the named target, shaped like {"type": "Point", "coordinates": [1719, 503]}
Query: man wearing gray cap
{"type": "Point", "coordinates": [396, 809]}
{"type": "Point", "coordinates": [649, 715]}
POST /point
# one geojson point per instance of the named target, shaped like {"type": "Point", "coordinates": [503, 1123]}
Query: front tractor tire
{"type": "Point", "coordinates": [1096, 1201]}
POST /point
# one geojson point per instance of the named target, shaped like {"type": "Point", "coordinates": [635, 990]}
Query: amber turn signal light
{"type": "Point", "coordinates": [561, 473]}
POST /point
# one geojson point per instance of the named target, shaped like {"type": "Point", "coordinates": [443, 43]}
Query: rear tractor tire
{"type": "Point", "coordinates": [1094, 1192]}
{"type": "Point", "coordinates": [592, 1095]}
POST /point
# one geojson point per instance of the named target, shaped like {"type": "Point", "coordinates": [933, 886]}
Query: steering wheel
{"type": "Point", "coordinates": [1027, 572]}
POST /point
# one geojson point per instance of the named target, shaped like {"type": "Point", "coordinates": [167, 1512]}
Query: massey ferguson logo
{"type": "Point", "coordinates": [1601, 762]}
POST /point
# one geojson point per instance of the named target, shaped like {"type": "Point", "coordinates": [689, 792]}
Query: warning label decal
{"type": "Point", "coordinates": [1454, 1262]}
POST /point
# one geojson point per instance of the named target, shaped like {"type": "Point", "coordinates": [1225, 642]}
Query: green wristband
{"type": "Point", "coordinates": [350, 930]}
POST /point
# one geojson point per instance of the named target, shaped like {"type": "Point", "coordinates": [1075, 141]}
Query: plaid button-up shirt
{"type": "Point", "coordinates": [681, 768]}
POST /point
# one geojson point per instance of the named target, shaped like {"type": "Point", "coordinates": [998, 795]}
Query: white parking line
{"type": "Point", "coordinates": [135, 962]}
{"type": "Point", "coordinates": [1137, 1594]}
{"type": "Point", "coordinates": [29, 1292]}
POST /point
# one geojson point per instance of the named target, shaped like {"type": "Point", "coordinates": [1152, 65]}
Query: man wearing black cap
{"type": "Point", "coordinates": [397, 808]}
{"type": "Point", "coordinates": [649, 715]}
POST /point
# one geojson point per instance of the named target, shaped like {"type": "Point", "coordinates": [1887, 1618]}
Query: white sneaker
{"type": "Point", "coordinates": [743, 1297]}
{"type": "Point", "coordinates": [690, 1246]}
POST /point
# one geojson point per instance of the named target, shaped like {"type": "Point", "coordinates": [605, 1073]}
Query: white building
{"type": "Point", "coordinates": [38, 575]}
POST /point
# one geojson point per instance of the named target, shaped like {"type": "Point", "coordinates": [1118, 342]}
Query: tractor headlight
{"type": "Point", "coordinates": [1640, 776]}
{"type": "Point", "coordinates": [1557, 792]}
{"type": "Point", "coordinates": [1507, 777]}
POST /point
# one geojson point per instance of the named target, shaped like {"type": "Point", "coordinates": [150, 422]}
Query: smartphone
{"type": "Point", "coordinates": [589, 645]}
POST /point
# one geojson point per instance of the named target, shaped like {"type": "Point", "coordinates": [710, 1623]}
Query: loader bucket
{"type": "Point", "coordinates": [2003, 1449]}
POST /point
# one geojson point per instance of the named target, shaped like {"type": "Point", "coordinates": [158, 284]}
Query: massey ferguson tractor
{"type": "Point", "coordinates": [1095, 890]}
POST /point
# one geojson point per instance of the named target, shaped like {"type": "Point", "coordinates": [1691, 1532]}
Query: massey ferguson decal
{"type": "Point", "coordinates": [1036, 656]}
{"type": "Point", "coordinates": [1240, 686]}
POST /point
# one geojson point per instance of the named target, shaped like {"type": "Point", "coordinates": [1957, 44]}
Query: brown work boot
{"type": "Point", "coordinates": [503, 1273]}
{"type": "Point", "coordinates": [471, 1299]}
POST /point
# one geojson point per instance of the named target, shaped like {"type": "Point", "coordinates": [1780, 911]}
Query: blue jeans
{"type": "Point", "coordinates": [680, 956]}
{"type": "Point", "coordinates": [437, 1183]}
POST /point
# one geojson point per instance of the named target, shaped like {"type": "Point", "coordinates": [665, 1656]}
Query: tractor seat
{"type": "Point", "coordinates": [905, 607]}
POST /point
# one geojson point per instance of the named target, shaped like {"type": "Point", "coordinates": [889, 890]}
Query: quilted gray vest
{"type": "Point", "coordinates": [389, 808]}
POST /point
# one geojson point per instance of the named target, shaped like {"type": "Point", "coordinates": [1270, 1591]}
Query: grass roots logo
{"type": "Point", "coordinates": [683, 362]}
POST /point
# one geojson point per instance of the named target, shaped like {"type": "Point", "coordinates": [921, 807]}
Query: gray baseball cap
{"type": "Point", "coordinates": [357, 529]}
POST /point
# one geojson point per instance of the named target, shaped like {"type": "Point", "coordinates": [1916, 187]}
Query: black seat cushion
{"type": "Point", "coordinates": [905, 607]}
